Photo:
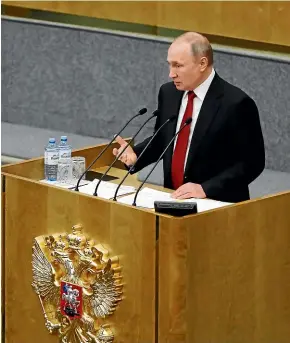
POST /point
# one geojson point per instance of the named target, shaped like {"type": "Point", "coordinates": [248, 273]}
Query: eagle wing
{"type": "Point", "coordinates": [106, 292]}
{"type": "Point", "coordinates": [43, 275]}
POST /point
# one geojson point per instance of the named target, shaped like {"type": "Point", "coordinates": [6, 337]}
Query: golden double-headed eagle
{"type": "Point", "coordinates": [77, 285]}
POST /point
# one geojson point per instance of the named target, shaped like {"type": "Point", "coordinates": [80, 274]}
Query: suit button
{"type": "Point", "coordinates": [185, 177]}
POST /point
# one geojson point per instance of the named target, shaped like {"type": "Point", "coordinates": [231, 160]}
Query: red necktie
{"type": "Point", "coordinates": [178, 158]}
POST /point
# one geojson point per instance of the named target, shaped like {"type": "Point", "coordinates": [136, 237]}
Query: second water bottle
{"type": "Point", "coordinates": [64, 163]}
{"type": "Point", "coordinates": [64, 149]}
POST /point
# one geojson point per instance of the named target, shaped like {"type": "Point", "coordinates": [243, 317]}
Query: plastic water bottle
{"type": "Point", "coordinates": [51, 160]}
{"type": "Point", "coordinates": [64, 162]}
{"type": "Point", "coordinates": [64, 149]}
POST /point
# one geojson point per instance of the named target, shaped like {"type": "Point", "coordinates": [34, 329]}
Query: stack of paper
{"type": "Point", "coordinates": [147, 196]}
{"type": "Point", "coordinates": [106, 189]}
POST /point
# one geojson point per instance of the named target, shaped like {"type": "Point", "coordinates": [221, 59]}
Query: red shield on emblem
{"type": "Point", "coordinates": [71, 300]}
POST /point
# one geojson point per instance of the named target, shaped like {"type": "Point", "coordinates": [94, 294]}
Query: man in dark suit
{"type": "Point", "coordinates": [222, 151]}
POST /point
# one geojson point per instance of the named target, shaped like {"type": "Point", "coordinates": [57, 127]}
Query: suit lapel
{"type": "Point", "coordinates": [206, 115]}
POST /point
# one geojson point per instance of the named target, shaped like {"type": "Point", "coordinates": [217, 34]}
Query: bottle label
{"type": "Point", "coordinates": [51, 158]}
{"type": "Point", "coordinates": [65, 154]}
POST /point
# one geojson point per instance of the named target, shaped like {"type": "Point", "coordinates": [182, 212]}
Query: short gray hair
{"type": "Point", "coordinates": [200, 45]}
{"type": "Point", "coordinates": [201, 49]}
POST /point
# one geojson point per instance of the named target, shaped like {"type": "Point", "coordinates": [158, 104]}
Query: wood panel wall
{"type": "Point", "coordinates": [260, 21]}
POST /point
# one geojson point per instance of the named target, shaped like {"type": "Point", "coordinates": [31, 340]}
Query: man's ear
{"type": "Point", "coordinates": [203, 63]}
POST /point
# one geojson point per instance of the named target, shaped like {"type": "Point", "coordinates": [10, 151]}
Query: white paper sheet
{"type": "Point", "coordinates": [147, 196]}
{"type": "Point", "coordinates": [106, 189]}
{"type": "Point", "coordinates": [70, 185]}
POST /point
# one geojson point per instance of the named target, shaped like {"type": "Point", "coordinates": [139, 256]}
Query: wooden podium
{"type": "Point", "coordinates": [221, 276]}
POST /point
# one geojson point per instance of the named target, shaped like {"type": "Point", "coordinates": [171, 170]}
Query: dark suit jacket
{"type": "Point", "coordinates": [227, 148]}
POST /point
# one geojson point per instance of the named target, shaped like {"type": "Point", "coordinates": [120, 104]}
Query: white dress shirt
{"type": "Point", "coordinates": [200, 93]}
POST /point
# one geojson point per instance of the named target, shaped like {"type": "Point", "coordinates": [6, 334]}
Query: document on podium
{"type": "Point", "coordinates": [106, 189]}
{"type": "Point", "coordinates": [69, 185]}
{"type": "Point", "coordinates": [147, 196]}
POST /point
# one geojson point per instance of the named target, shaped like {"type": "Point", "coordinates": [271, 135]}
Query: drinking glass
{"type": "Point", "coordinates": [64, 171]}
{"type": "Point", "coordinates": [78, 167]}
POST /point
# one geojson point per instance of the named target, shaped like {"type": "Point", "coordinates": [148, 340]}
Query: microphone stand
{"type": "Point", "coordinates": [122, 151]}
{"type": "Point", "coordinates": [143, 151]}
{"type": "Point", "coordinates": [188, 121]}
{"type": "Point", "coordinates": [142, 111]}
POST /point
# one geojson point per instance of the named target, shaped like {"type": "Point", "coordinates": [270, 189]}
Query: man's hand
{"type": "Point", "coordinates": [128, 157]}
{"type": "Point", "coordinates": [189, 190]}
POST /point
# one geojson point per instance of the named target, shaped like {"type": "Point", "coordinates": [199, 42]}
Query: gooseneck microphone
{"type": "Point", "coordinates": [143, 151]}
{"type": "Point", "coordinates": [187, 122]}
{"type": "Point", "coordinates": [140, 113]}
{"type": "Point", "coordinates": [122, 151]}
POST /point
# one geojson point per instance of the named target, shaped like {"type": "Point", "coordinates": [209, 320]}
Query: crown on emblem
{"type": "Point", "coordinates": [54, 244]}
{"type": "Point", "coordinates": [60, 244]}
{"type": "Point", "coordinates": [88, 252]}
{"type": "Point", "coordinates": [76, 239]}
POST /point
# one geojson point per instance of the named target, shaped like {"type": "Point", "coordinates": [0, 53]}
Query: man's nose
{"type": "Point", "coordinates": [172, 73]}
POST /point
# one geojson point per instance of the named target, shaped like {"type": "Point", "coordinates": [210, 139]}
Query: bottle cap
{"type": "Point", "coordinates": [63, 138]}
{"type": "Point", "coordinates": [51, 140]}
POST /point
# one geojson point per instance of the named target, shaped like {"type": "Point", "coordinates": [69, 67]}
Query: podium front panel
{"type": "Point", "coordinates": [224, 275]}
{"type": "Point", "coordinates": [33, 209]}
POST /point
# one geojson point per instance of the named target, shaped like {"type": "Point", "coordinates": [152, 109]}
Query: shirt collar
{"type": "Point", "coordinates": [202, 89]}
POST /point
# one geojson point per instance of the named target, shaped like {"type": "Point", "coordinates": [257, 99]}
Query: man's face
{"type": "Point", "coordinates": [184, 69]}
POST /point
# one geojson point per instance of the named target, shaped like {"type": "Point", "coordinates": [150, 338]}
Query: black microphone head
{"type": "Point", "coordinates": [142, 111]}
{"type": "Point", "coordinates": [155, 113]}
{"type": "Point", "coordinates": [188, 121]}
{"type": "Point", "coordinates": [173, 117]}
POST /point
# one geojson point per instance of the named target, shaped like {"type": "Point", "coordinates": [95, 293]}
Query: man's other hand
{"type": "Point", "coordinates": [128, 156]}
{"type": "Point", "coordinates": [189, 190]}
